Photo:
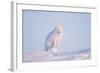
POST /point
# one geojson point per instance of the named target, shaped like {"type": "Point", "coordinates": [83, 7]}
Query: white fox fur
{"type": "Point", "coordinates": [54, 39]}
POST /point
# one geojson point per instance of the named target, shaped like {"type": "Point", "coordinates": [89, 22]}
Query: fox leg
{"type": "Point", "coordinates": [54, 48]}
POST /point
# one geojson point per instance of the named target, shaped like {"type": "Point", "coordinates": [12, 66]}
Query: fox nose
{"type": "Point", "coordinates": [58, 31]}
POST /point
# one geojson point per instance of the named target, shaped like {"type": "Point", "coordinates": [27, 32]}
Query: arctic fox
{"type": "Point", "coordinates": [54, 39]}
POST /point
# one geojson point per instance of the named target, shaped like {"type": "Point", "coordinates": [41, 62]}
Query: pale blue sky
{"type": "Point", "coordinates": [37, 25]}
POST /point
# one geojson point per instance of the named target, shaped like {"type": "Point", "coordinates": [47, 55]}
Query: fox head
{"type": "Point", "coordinates": [59, 28]}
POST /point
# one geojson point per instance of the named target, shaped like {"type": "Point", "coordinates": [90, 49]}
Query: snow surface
{"type": "Point", "coordinates": [42, 55]}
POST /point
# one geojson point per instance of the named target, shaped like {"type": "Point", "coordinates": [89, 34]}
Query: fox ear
{"type": "Point", "coordinates": [60, 24]}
